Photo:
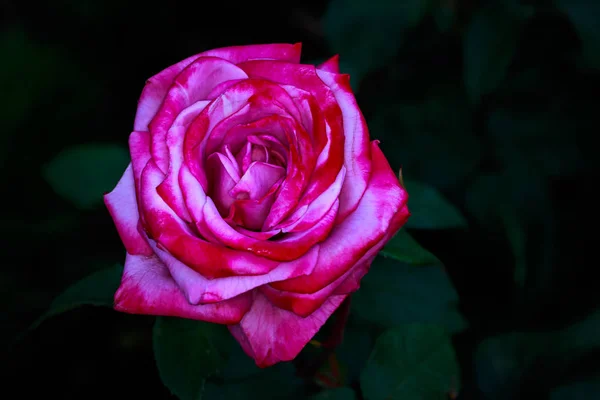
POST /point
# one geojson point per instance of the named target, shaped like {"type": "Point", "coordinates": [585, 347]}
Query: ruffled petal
{"type": "Point", "coordinates": [291, 247]}
{"type": "Point", "coordinates": [331, 157]}
{"type": "Point", "coordinates": [123, 208]}
{"type": "Point", "coordinates": [332, 65]}
{"type": "Point", "coordinates": [304, 304]}
{"type": "Point", "coordinates": [192, 84]}
{"type": "Point", "coordinates": [257, 180]}
{"type": "Point", "coordinates": [170, 231]}
{"type": "Point", "coordinates": [307, 216]}
{"type": "Point", "coordinates": [156, 87]}
{"type": "Point", "coordinates": [200, 290]}
{"type": "Point", "coordinates": [381, 212]}
{"type": "Point", "coordinates": [269, 334]}
{"type": "Point", "coordinates": [147, 288]}
{"type": "Point", "coordinates": [223, 178]}
{"type": "Point", "coordinates": [169, 189]}
{"type": "Point", "coordinates": [357, 158]}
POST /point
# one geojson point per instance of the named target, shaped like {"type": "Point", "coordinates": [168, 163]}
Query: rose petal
{"type": "Point", "coordinates": [223, 178]}
{"type": "Point", "coordinates": [156, 87]}
{"type": "Point", "coordinates": [186, 117]}
{"type": "Point", "coordinates": [305, 77]}
{"type": "Point", "coordinates": [304, 304]}
{"type": "Point", "coordinates": [252, 213]}
{"type": "Point", "coordinates": [356, 148]}
{"type": "Point", "coordinates": [246, 101]}
{"type": "Point", "coordinates": [269, 334]}
{"type": "Point", "coordinates": [200, 290]}
{"type": "Point", "coordinates": [147, 288]}
{"type": "Point", "coordinates": [332, 65]}
{"type": "Point", "coordinates": [123, 208]}
{"type": "Point", "coordinates": [257, 180]}
{"type": "Point", "coordinates": [169, 189]}
{"type": "Point", "coordinates": [192, 84]}
{"type": "Point", "coordinates": [307, 216]}
{"type": "Point", "coordinates": [291, 247]}
{"type": "Point", "coordinates": [164, 226]}
{"type": "Point", "coordinates": [381, 211]}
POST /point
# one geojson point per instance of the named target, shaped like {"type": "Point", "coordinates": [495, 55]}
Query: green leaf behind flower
{"type": "Point", "coordinates": [584, 16]}
{"type": "Point", "coordinates": [402, 247]}
{"type": "Point", "coordinates": [343, 393]}
{"type": "Point", "coordinates": [367, 34]}
{"type": "Point", "coordinates": [429, 209]}
{"type": "Point", "coordinates": [394, 293]}
{"type": "Point", "coordinates": [97, 289]}
{"type": "Point", "coordinates": [505, 362]}
{"type": "Point", "coordinates": [82, 174]}
{"type": "Point", "coordinates": [411, 362]}
{"type": "Point", "coordinates": [187, 352]}
{"type": "Point", "coordinates": [489, 46]}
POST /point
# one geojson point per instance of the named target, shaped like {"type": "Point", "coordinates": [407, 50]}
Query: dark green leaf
{"type": "Point", "coordinates": [28, 75]}
{"type": "Point", "coordinates": [354, 350]}
{"type": "Point", "coordinates": [82, 174]}
{"type": "Point", "coordinates": [581, 390]}
{"type": "Point", "coordinates": [433, 140]}
{"type": "Point", "coordinates": [489, 45]}
{"type": "Point", "coordinates": [487, 200]}
{"type": "Point", "coordinates": [429, 209]}
{"type": "Point", "coordinates": [584, 15]}
{"type": "Point", "coordinates": [187, 352]}
{"type": "Point", "coordinates": [545, 140]}
{"type": "Point", "coordinates": [411, 362]}
{"type": "Point", "coordinates": [404, 248]}
{"type": "Point", "coordinates": [276, 382]}
{"type": "Point", "coordinates": [394, 293]}
{"type": "Point", "coordinates": [343, 393]}
{"type": "Point", "coordinates": [367, 34]}
{"type": "Point", "coordinates": [505, 361]}
{"type": "Point", "coordinates": [96, 289]}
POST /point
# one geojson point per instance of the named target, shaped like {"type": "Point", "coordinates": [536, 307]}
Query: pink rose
{"type": "Point", "coordinates": [254, 197]}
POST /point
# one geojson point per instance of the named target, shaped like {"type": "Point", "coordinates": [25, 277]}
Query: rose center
{"type": "Point", "coordinates": [243, 183]}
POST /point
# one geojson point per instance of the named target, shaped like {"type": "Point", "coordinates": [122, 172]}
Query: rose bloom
{"type": "Point", "coordinates": [254, 197]}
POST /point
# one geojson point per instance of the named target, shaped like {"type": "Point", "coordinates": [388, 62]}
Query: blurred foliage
{"type": "Point", "coordinates": [488, 106]}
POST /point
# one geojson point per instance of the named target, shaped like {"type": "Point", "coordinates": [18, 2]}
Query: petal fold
{"type": "Point", "coordinates": [269, 334]}
{"type": "Point", "coordinates": [147, 288]}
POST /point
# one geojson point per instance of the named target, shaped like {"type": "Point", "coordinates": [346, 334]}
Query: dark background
{"type": "Point", "coordinates": [498, 112]}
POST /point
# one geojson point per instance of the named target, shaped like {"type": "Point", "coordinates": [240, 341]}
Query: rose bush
{"type": "Point", "coordinates": [254, 197]}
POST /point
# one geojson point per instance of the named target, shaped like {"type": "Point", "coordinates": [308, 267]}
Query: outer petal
{"type": "Point", "coordinates": [198, 289]}
{"type": "Point", "coordinates": [269, 334]}
{"type": "Point", "coordinates": [156, 87]}
{"type": "Point", "coordinates": [123, 208]}
{"type": "Point", "coordinates": [356, 146]}
{"type": "Point", "coordinates": [332, 65]}
{"type": "Point", "coordinates": [381, 211]}
{"type": "Point", "coordinates": [147, 288]}
{"type": "Point", "coordinates": [304, 304]}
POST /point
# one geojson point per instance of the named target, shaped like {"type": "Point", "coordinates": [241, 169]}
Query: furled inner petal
{"type": "Point", "coordinates": [256, 181]}
{"type": "Point", "coordinates": [251, 213]}
{"type": "Point", "coordinates": [223, 174]}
